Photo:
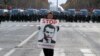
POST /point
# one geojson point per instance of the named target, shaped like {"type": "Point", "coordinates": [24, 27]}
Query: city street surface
{"type": "Point", "coordinates": [73, 39]}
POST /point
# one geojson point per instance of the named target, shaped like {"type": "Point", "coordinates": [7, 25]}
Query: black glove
{"type": "Point", "coordinates": [39, 28]}
{"type": "Point", "coordinates": [57, 28]}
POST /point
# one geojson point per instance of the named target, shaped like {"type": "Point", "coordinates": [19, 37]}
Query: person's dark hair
{"type": "Point", "coordinates": [50, 26]}
{"type": "Point", "coordinates": [50, 13]}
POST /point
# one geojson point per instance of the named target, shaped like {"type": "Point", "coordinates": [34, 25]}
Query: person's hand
{"type": "Point", "coordinates": [39, 28]}
{"type": "Point", "coordinates": [57, 28]}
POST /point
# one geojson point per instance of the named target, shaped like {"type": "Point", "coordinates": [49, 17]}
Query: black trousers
{"type": "Point", "coordinates": [48, 52]}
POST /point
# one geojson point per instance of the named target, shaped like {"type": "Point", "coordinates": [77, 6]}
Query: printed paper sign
{"type": "Point", "coordinates": [47, 33]}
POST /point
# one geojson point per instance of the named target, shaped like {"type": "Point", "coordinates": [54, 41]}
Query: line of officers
{"type": "Point", "coordinates": [36, 15]}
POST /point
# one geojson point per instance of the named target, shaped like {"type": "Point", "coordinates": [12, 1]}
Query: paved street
{"type": "Point", "coordinates": [73, 39]}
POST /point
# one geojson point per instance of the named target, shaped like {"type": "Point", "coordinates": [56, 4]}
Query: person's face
{"type": "Point", "coordinates": [49, 33]}
{"type": "Point", "coordinates": [49, 16]}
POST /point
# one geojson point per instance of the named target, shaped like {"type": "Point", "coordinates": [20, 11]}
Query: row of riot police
{"type": "Point", "coordinates": [36, 15]}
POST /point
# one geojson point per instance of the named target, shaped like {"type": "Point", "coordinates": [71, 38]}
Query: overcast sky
{"type": "Point", "coordinates": [59, 1]}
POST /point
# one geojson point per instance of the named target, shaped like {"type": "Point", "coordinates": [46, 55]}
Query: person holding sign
{"type": "Point", "coordinates": [49, 30]}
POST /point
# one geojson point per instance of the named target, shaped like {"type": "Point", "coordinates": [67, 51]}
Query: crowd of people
{"type": "Point", "coordinates": [60, 16]}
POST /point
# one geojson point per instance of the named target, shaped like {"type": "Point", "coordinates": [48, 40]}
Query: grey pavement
{"type": "Point", "coordinates": [73, 39]}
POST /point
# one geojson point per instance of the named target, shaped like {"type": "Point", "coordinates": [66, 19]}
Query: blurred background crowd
{"type": "Point", "coordinates": [34, 10]}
